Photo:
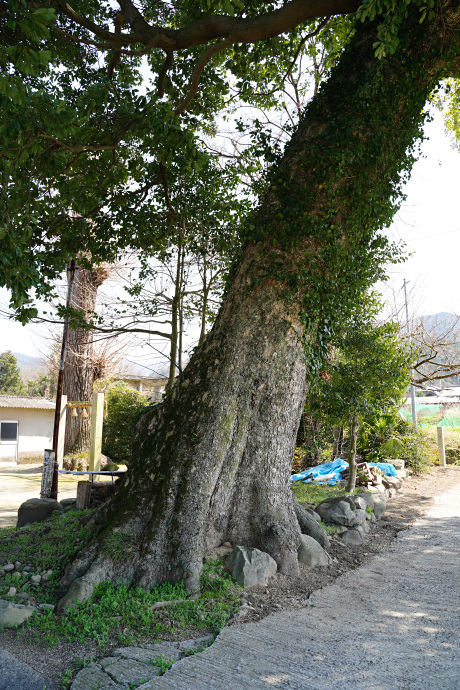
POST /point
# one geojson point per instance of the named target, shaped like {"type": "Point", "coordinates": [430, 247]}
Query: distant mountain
{"type": "Point", "coordinates": [30, 367]}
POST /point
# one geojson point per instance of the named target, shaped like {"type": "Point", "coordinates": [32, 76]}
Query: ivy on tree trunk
{"type": "Point", "coordinates": [212, 462]}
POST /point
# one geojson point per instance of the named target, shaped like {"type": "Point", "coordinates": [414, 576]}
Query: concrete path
{"type": "Point", "coordinates": [14, 675]}
{"type": "Point", "coordinates": [18, 484]}
{"type": "Point", "coordinates": [393, 624]}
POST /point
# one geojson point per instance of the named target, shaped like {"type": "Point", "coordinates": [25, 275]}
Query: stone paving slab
{"type": "Point", "coordinates": [133, 667]}
{"type": "Point", "coordinates": [393, 624]}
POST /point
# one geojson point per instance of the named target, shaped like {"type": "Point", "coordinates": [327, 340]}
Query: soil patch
{"type": "Point", "coordinates": [412, 501]}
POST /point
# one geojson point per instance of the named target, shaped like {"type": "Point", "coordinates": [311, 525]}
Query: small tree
{"type": "Point", "coordinates": [368, 372]}
{"type": "Point", "coordinates": [124, 406]}
{"type": "Point", "coordinates": [10, 376]}
{"type": "Point", "coordinates": [39, 387]}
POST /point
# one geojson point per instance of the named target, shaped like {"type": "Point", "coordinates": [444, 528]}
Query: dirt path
{"type": "Point", "coordinates": [392, 624]}
{"type": "Point", "coordinates": [18, 484]}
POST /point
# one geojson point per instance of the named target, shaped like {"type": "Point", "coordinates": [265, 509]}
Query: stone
{"type": "Point", "coordinates": [360, 502]}
{"type": "Point", "coordinates": [311, 553]}
{"type": "Point", "coordinates": [313, 514]}
{"type": "Point", "coordinates": [67, 502]}
{"type": "Point", "coordinates": [16, 576]}
{"type": "Point", "coordinates": [392, 482]}
{"type": "Point", "coordinates": [129, 671]}
{"type": "Point", "coordinates": [17, 565]}
{"type": "Point", "coordinates": [8, 567]}
{"type": "Point", "coordinates": [24, 596]}
{"type": "Point", "coordinates": [36, 579]}
{"type": "Point", "coordinates": [12, 615]}
{"type": "Point", "coordinates": [402, 474]}
{"type": "Point", "coordinates": [250, 567]}
{"type": "Point", "coordinates": [365, 527]}
{"type": "Point", "coordinates": [2, 573]}
{"type": "Point", "coordinates": [129, 667]}
{"type": "Point", "coordinates": [380, 504]}
{"type": "Point", "coordinates": [367, 497]}
{"type": "Point", "coordinates": [341, 511]}
{"type": "Point", "coordinates": [398, 464]}
{"type": "Point", "coordinates": [310, 526]}
{"type": "Point", "coordinates": [46, 576]}
{"type": "Point", "coordinates": [92, 677]}
{"type": "Point", "coordinates": [352, 537]}
{"type": "Point", "coordinates": [11, 592]}
{"type": "Point", "coordinates": [37, 510]}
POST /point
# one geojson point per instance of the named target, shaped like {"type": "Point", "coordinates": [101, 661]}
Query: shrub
{"type": "Point", "coordinates": [124, 406]}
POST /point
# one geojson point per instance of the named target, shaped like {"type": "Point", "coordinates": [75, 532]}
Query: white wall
{"type": "Point", "coordinates": [35, 432]}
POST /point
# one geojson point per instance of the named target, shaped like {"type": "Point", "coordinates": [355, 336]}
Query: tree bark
{"type": "Point", "coordinates": [212, 462]}
{"type": "Point", "coordinates": [354, 428]}
{"type": "Point", "coordinates": [79, 366]}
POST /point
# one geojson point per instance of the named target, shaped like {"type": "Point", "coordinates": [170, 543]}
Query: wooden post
{"type": "Point", "coordinates": [83, 495]}
{"type": "Point", "coordinates": [61, 432]}
{"type": "Point", "coordinates": [441, 448]}
{"type": "Point", "coordinates": [97, 418]}
{"type": "Point", "coordinates": [47, 474]}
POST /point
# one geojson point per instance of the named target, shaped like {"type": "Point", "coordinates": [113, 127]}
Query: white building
{"type": "Point", "coordinates": [26, 428]}
{"type": "Point", "coordinates": [152, 387]}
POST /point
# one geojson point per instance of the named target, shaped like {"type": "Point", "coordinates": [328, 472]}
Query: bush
{"type": "Point", "coordinates": [124, 407]}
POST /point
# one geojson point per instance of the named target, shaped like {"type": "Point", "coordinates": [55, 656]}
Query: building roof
{"type": "Point", "coordinates": [26, 402]}
{"type": "Point", "coordinates": [135, 377]}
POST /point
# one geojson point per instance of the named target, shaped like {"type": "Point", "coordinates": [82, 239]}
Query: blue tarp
{"type": "Point", "coordinates": [386, 467]}
{"type": "Point", "coordinates": [314, 474]}
{"type": "Point", "coordinates": [336, 468]}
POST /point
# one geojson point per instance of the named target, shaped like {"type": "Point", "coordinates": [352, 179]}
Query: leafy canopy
{"type": "Point", "coordinates": [102, 105]}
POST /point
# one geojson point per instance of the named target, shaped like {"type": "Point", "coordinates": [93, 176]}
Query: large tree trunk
{"type": "Point", "coordinates": [212, 462]}
{"type": "Point", "coordinates": [79, 364]}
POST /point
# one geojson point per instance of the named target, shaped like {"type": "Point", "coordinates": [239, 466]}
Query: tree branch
{"type": "Point", "coordinates": [212, 27]}
{"type": "Point", "coordinates": [196, 74]}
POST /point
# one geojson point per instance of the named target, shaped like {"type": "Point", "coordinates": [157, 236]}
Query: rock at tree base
{"type": "Point", "coordinates": [380, 504]}
{"type": "Point", "coordinates": [341, 511]}
{"type": "Point", "coordinates": [66, 502]}
{"type": "Point", "coordinates": [12, 615]}
{"type": "Point", "coordinates": [250, 567]}
{"type": "Point", "coordinates": [353, 537]}
{"type": "Point", "coordinates": [129, 665]}
{"type": "Point", "coordinates": [311, 553]}
{"type": "Point", "coordinates": [37, 510]}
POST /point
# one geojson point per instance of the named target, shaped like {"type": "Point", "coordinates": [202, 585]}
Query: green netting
{"type": "Point", "coordinates": [433, 415]}
{"type": "Point", "coordinates": [451, 418]}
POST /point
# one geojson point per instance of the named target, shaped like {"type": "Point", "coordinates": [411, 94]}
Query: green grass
{"type": "Point", "coordinates": [330, 529]}
{"type": "Point", "coordinates": [316, 493]}
{"type": "Point", "coordinates": [49, 545]}
{"type": "Point", "coordinates": [124, 615]}
{"type": "Point", "coordinates": [116, 614]}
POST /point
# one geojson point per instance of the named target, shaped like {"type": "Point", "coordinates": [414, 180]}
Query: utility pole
{"type": "Point", "coordinates": [57, 414]}
{"type": "Point", "coordinates": [412, 387]}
